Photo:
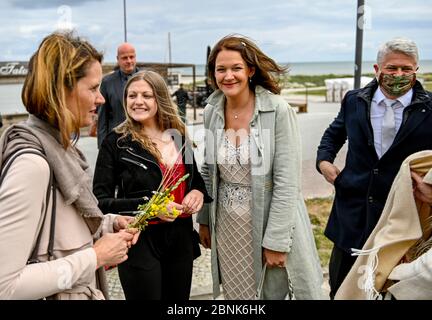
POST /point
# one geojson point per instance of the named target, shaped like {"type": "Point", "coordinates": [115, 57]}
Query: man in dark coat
{"type": "Point", "coordinates": [182, 98]}
{"type": "Point", "coordinates": [393, 106]}
{"type": "Point", "coordinates": [111, 113]}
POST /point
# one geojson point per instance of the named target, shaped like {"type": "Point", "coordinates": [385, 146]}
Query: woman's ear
{"type": "Point", "coordinates": [251, 72]}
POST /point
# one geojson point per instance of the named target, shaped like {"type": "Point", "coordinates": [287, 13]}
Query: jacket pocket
{"type": "Point", "coordinates": [336, 182]}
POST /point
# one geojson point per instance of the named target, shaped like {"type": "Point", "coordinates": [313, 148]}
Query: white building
{"type": "Point", "coordinates": [337, 88]}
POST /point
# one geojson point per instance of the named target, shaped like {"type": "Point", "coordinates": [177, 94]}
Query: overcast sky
{"type": "Point", "coordinates": [287, 30]}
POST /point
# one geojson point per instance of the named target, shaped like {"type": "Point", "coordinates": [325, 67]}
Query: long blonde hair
{"type": "Point", "coordinates": [167, 116]}
{"type": "Point", "coordinates": [54, 69]}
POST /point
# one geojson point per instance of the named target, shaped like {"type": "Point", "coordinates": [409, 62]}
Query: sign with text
{"type": "Point", "coordinates": [16, 68]}
{"type": "Point", "coordinates": [173, 79]}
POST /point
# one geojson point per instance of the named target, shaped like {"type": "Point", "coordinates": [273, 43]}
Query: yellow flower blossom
{"type": "Point", "coordinates": [158, 202]}
{"type": "Point", "coordinates": [174, 212]}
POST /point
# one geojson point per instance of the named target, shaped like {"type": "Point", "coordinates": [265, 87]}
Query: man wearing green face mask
{"type": "Point", "coordinates": [396, 74]}
{"type": "Point", "coordinates": [384, 122]}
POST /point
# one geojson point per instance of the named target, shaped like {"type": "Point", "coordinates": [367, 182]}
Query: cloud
{"type": "Point", "coordinates": [44, 4]}
{"type": "Point", "coordinates": [29, 30]}
{"type": "Point", "coordinates": [288, 31]}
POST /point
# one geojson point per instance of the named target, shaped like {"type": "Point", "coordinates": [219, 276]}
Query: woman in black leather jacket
{"type": "Point", "coordinates": [130, 165]}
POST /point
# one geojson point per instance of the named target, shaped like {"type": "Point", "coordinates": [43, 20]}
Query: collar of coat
{"type": "Point", "coordinates": [182, 143]}
{"type": "Point", "coordinates": [420, 95]}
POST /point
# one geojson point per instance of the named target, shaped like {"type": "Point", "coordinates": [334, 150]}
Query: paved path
{"type": "Point", "coordinates": [201, 280]}
{"type": "Point", "coordinates": [311, 125]}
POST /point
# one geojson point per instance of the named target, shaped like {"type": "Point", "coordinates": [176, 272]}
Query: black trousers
{"type": "Point", "coordinates": [164, 268]}
{"type": "Point", "coordinates": [182, 111]}
{"type": "Point", "coordinates": [339, 266]}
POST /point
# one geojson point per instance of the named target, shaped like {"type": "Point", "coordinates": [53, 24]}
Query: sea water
{"type": "Point", "coordinates": [318, 68]}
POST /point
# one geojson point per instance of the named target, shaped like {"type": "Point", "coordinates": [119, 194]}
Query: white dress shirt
{"type": "Point", "coordinates": [377, 114]}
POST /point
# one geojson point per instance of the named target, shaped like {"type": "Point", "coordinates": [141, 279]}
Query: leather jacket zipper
{"type": "Point", "coordinates": [142, 165]}
{"type": "Point", "coordinates": [191, 173]}
{"type": "Point", "coordinates": [145, 159]}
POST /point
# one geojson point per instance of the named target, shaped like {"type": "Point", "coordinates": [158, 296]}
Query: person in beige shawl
{"type": "Point", "coordinates": [61, 92]}
{"type": "Point", "coordinates": [396, 258]}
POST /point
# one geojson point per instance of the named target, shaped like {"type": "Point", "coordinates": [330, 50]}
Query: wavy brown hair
{"type": "Point", "coordinates": [266, 68]}
{"type": "Point", "coordinates": [167, 116]}
{"type": "Point", "coordinates": [54, 69]}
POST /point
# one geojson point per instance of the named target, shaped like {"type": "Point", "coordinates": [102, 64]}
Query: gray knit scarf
{"type": "Point", "coordinates": [71, 171]}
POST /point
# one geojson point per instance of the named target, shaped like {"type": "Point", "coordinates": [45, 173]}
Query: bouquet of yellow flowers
{"type": "Point", "coordinates": [159, 201]}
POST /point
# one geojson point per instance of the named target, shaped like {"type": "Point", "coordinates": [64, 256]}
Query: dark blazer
{"type": "Point", "coordinates": [111, 113]}
{"type": "Point", "coordinates": [363, 185]}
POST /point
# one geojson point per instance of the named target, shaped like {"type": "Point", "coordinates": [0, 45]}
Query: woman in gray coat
{"type": "Point", "coordinates": [252, 170]}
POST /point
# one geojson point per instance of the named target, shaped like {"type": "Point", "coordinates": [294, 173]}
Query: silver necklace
{"type": "Point", "coordinates": [243, 110]}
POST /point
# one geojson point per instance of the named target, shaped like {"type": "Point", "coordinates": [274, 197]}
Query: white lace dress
{"type": "Point", "coordinates": [234, 221]}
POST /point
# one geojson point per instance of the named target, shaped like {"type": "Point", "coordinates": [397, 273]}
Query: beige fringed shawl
{"type": "Point", "coordinates": [401, 234]}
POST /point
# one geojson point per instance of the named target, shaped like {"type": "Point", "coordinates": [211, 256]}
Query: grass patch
{"type": "Point", "coordinates": [320, 92]}
{"type": "Point", "coordinates": [319, 210]}
{"type": "Point", "coordinates": [317, 80]}
{"type": "Point", "coordinates": [298, 81]}
{"type": "Point", "coordinates": [426, 76]}
{"type": "Point", "coordinates": [428, 86]}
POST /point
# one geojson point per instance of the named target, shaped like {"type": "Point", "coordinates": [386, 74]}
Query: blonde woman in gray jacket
{"type": "Point", "coordinates": [50, 220]}
{"type": "Point", "coordinates": [257, 226]}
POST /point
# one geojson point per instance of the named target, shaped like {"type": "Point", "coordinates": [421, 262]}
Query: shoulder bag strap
{"type": "Point", "coordinates": [53, 216]}
{"type": "Point", "coordinates": [50, 189]}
